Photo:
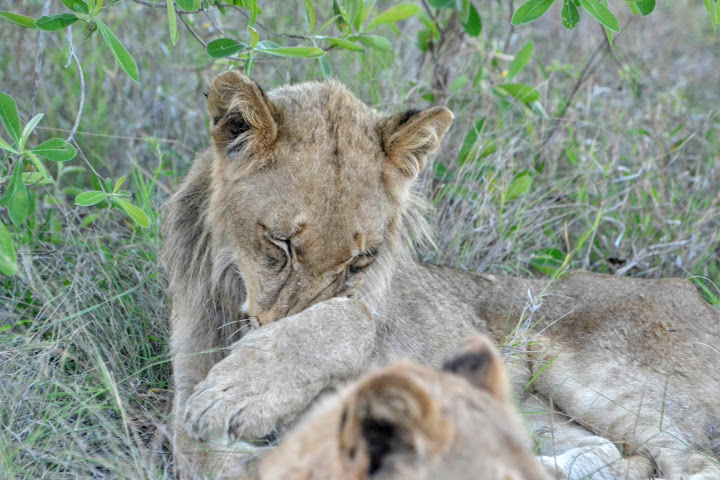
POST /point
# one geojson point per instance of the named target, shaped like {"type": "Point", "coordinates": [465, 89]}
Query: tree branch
{"type": "Point", "coordinates": [38, 61]}
{"type": "Point", "coordinates": [82, 84]}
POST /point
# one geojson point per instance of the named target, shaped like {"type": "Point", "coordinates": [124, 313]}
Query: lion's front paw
{"type": "Point", "coordinates": [274, 372]}
{"type": "Point", "coordinates": [221, 414]}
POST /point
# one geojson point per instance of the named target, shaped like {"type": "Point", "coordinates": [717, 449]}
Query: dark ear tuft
{"type": "Point", "coordinates": [236, 126]}
{"type": "Point", "coordinates": [240, 109]}
{"type": "Point", "coordinates": [407, 138]}
{"type": "Point", "coordinates": [383, 439]}
{"type": "Point", "coordinates": [479, 362]}
{"type": "Point", "coordinates": [391, 415]}
{"type": "Point", "coordinates": [405, 117]}
{"type": "Point", "coordinates": [469, 363]}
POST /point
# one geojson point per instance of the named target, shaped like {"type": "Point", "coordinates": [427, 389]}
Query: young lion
{"type": "Point", "coordinates": [297, 220]}
{"type": "Point", "coordinates": [411, 422]}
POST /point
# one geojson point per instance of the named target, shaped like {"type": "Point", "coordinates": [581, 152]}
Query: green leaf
{"type": "Point", "coordinates": [9, 116]}
{"type": "Point", "coordinates": [19, 204]}
{"type": "Point", "coordinates": [6, 146]}
{"type": "Point", "coordinates": [645, 7]}
{"type": "Point", "coordinates": [459, 83]}
{"type": "Point", "coordinates": [55, 149]}
{"type": "Point", "coordinates": [224, 47]}
{"type": "Point", "coordinates": [468, 145]}
{"type": "Point", "coordinates": [134, 212]}
{"type": "Point", "coordinates": [354, 12]}
{"type": "Point", "coordinates": [522, 92]}
{"type": "Point", "coordinates": [118, 184]}
{"type": "Point", "coordinates": [28, 130]}
{"type": "Point", "coordinates": [18, 19]}
{"type": "Point", "coordinates": [89, 219]}
{"type": "Point", "coordinates": [442, 3]}
{"type": "Point", "coordinates": [713, 8]}
{"type": "Point", "coordinates": [252, 7]}
{"type": "Point", "coordinates": [91, 197]}
{"type": "Point", "coordinates": [32, 178]}
{"type": "Point", "coordinates": [547, 260]}
{"type": "Point", "coordinates": [310, 15]}
{"type": "Point", "coordinates": [530, 11]}
{"type": "Point", "coordinates": [56, 22]}
{"type": "Point", "coordinates": [172, 22]}
{"type": "Point", "coordinates": [39, 166]}
{"type": "Point", "coordinates": [188, 5]}
{"type": "Point", "coordinates": [394, 14]}
{"type": "Point", "coordinates": [374, 41]}
{"type": "Point", "coordinates": [8, 260]}
{"type": "Point", "coordinates": [473, 26]}
{"type": "Point", "coordinates": [325, 66]}
{"type": "Point", "coordinates": [328, 23]}
{"type": "Point", "coordinates": [601, 13]}
{"type": "Point", "coordinates": [254, 37]}
{"type": "Point", "coordinates": [570, 14]}
{"type": "Point", "coordinates": [519, 186]}
{"type": "Point", "coordinates": [342, 43]}
{"type": "Point", "coordinates": [521, 59]}
{"type": "Point", "coordinates": [78, 6]}
{"type": "Point", "coordinates": [121, 55]}
{"type": "Point", "coordinates": [291, 52]}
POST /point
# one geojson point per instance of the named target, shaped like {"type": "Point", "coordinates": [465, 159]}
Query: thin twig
{"type": "Point", "coordinates": [212, 22]}
{"type": "Point", "coordinates": [264, 27]}
{"type": "Point", "coordinates": [204, 44]}
{"type": "Point", "coordinates": [82, 85]}
{"type": "Point", "coordinates": [149, 3]}
{"type": "Point", "coordinates": [164, 5]}
{"type": "Point", "coordinates": [589, 67]}
{"type": "Point", "coordinates": [194, 34]}
{"type": "Point", "coordinates": [119, 137]}
{"type": "Point", "coordinates": [427, 8]}
{"type": "Point", "coordinates": [38, 61]}
{"type": "Point", "coordinates": [586, 71]}
{"type": "Point", "coordinates": [511, 30]}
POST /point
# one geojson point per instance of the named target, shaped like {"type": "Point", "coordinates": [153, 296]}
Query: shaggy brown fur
{"type": "Point", "coordinates": [411, 422]}
{"type": "Point", "coordinates": [297, 219]}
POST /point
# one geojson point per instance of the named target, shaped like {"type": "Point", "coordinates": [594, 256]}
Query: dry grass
{"type": "Point", "coordinates": [83, 368]}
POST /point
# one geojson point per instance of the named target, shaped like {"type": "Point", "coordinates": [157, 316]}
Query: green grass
{"type": "Point", "coordinates": [628, 181]}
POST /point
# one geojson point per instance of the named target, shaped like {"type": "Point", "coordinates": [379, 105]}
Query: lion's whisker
{"type": "Point", "coordinates": [227, 324]}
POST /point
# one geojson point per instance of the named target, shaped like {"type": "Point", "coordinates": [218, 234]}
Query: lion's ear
{"type": "Point", "coordinates": [241, 113]}
{"type": "Point", "coordinates": [479, 362]}
{"type": "Point", "coordinates": [407, 138]}
{"type": "Point", "coordinates": [390, 419]}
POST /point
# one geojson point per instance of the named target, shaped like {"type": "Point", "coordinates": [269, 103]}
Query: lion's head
{"type": "Point", "coordinates": [311, 190]}
{"type": "Point", "coordinates": [411, 422]}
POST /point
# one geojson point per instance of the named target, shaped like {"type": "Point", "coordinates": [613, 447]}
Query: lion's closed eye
{"type": "Point", "coordinates": [362, 261]}
{"type": "Point", "coordinates": [276, 252]}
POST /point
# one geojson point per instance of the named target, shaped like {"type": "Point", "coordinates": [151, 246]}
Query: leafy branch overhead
{"type": "Point", "coordinates": [532, 10]}
{"type": "Point", "coordinates": [355, 21]}
{"type": "Point", "coordinates": [358, 26]}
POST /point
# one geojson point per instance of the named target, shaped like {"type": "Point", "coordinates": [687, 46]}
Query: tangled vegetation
{"type": "Point", "coordinates": [586, 139]}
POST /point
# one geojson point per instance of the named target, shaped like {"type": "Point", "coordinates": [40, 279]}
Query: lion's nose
{"type": "Point", "coordinates": [296, 297]}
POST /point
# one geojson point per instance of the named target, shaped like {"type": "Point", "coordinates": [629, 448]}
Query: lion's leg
{"type": "Point", "coordinates": [622, 404]}
{"type": "Point", "coordinates": [194, 350]}
{"type": "Point", "coordinates": [274, 372]}
{"type": "Point", "coordinates": [570, 451]}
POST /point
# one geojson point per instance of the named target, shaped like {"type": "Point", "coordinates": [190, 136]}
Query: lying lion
{"type": "Point", "coordinates": [286, 252]}
{"type": "Point", "coordinates": [411, 422]}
